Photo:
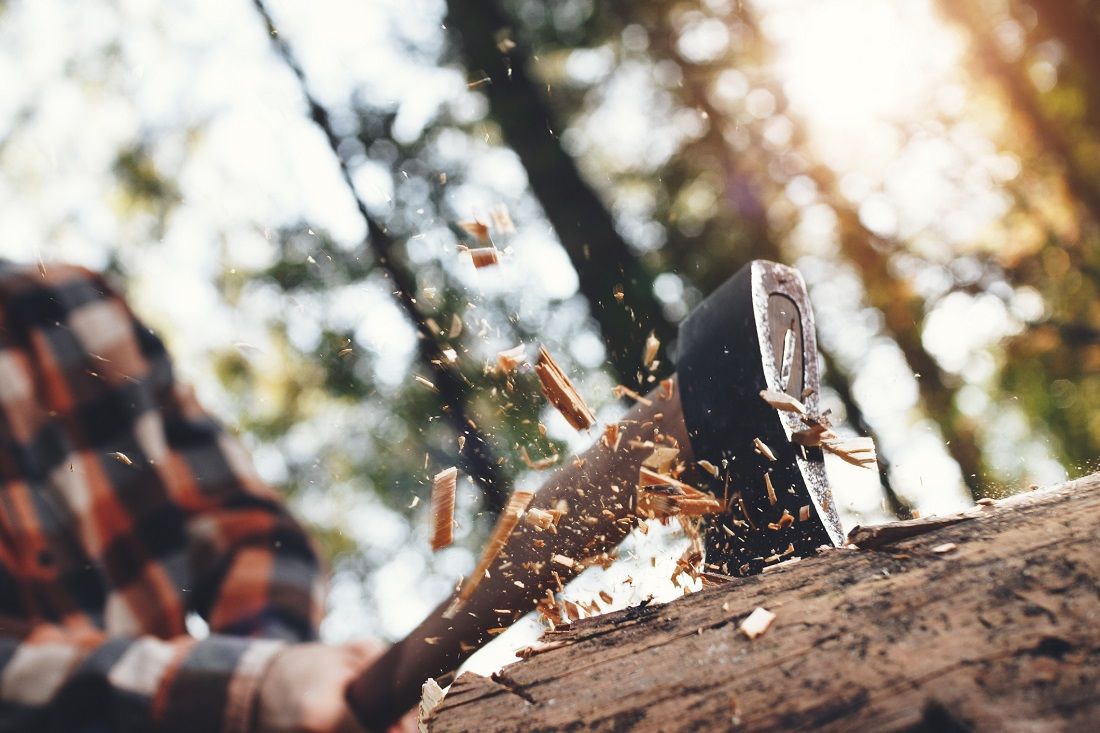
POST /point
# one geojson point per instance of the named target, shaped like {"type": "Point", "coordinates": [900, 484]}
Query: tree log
{"type": "Point", "coordinates": [991, 623]}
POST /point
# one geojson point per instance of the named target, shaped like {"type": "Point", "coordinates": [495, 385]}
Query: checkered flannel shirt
{"type": "Point", "coordinates": [123, 508]}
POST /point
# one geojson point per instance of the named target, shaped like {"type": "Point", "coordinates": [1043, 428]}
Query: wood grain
{"type": "Point", "coordinates": [1000, 634]}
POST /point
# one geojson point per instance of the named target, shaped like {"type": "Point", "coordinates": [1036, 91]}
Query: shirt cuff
{"type": "Point", "coordinates": [216, 685]}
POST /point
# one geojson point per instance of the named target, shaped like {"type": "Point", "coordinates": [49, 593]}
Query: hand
{"type": "Point", "coordinates": [303, 689]}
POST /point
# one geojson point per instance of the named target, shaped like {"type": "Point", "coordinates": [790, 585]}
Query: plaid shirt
{"type": "Point", "coordinates": [124, 507]}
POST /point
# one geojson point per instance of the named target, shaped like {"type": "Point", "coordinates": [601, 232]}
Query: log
{"type": "Point", "coordinates": [987, 623]}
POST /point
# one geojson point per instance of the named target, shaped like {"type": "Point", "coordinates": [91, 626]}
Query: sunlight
{"type": "Point", "coordinates": [855, 69]}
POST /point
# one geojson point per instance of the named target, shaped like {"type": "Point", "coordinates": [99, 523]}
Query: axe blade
{"type": "Point", "coordinates": [756, 332]}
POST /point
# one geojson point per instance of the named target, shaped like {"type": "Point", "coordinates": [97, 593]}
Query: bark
{"type": "Point", "coordinates": [477, 457]}
{"type": "Point", "coordinates": [604, 263]}
{"type": "Point", "coordinates": [997, 634]}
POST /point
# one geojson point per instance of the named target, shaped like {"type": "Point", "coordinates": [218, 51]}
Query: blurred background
{"type": "Point", "coordinates": [281, 190]}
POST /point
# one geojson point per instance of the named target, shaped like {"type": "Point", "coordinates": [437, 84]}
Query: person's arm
{"type": "Point", "coordinates": [599, 489]}
{"type": "Point", "coordinates": [62, 679]}
{"type": "Point", "coordinates": [240, 561]}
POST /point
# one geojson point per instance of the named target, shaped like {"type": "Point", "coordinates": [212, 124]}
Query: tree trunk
{"type": "Point", "coordinates": [476, 456]}
{"type": "Point", "coordinates": [1012, 76]}
{"type": "Point", "coordinates": [615, 282]}
{"type": "Point", "coordinates": [994, 632]}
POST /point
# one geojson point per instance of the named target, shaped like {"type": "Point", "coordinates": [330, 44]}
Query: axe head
{"type": "Point", "coordinates": [756, 332]}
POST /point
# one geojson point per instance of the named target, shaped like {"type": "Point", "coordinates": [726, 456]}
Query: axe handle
{"type": "Point", "coordinates": [607, 477]}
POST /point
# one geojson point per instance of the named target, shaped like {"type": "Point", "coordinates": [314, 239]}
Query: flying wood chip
{"type": "Point", "coordinates": [783, 401]}
{"type": "Point", "coordinates": [476, 229]}
{"type": "Point", "coordinates": [667, 386]}
{"type": "Point", "coordinates": [708, 467]}
{"type": "Point", "coordinates": [542, 519]}
{"type": "Point", "coordinates": [757, 622]}
{"type": "Point", "coordinates": [517, 503]}
{"type": "Point", "coordinates": [652, 346]}
{"type": "Point", "coordinates": [763, 449]}
{"type": "Point", "coordinates": [443, 507]}
{"type": "Point", "coordinates": [501, 221]}
{"type": "Point", "coordinates": [770, 488]}
{"type": "Point", "coordinates": [540, 464]}
{"type": "Point", "coordinates": [564, 560]}
{"type": "Point", "coordinates": [484, 256]}
{"type": "Point", "coordinates": [561, 392]}
{"type": "Point", "coordinates": [612, 436]}
{"type": "Point", "coordinates": [661, 496]}
{"type": "Point", "coordinates": [857, 451]}
{"type": "Point", "coordinates": [620, 390]}
{"type": "Point", "coordinates": [509, 359]}
{"type": "Point", "coordinates": [817, 434]}
{"type": "Point", "coordinates": [662, 458]}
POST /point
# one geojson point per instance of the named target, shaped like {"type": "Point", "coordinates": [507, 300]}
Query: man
{"type": "Point", "coordinates": [124, 507]}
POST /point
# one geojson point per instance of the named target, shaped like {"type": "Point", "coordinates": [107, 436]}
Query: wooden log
{"type": "Point", "coordinates": [1000, 632]}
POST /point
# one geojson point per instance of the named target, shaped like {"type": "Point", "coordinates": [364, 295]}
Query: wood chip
{"type": "Point", "coordinates": [539, 465]}
{"type": "Point", "coordinates": [771, 489]}
{"type": "Point", "coordinates": [763, 449]}
{"type": "Point", "coordinates": [661, 459]}
{"type": "Point", "coordinates": [612, 436]}
{"type": "Point", "coordinates": [564, 561]}
{"type": "Point", "coordinates": [501, 220]}
{"type": "Point", "coordinates": [783, 401]}
{"type": "Point", "coordinates": [812, 436]}
{"type": "Point", "coordinates": [541, 519]}
{"type": "Point", "coordinates": [756, 623]}
{"type": "Point", "coordinates": [509, 359]}
{"type": "Point", "coordinates": [857, 451]}
{"type": "Point", "coordinates": [709, 468]}
{"type": "Point", "coordinates": [431, 694]}
{"type": "Point", "coordinates": [484, 256]}
{"type": "Point", "coordinates": [456, 326]}
{"type": "Point", "coordinates": [561, 393]}
{"type": "Point", "coordinates": [121, 458]}
{"type": "Point", "coordinates": [507, 521]}
{"type": "Point", "coordinates": [620, 390]}
{"type": "Point", "coordinates": [426, 382]}
{"type": "Point", "coordinates": [477, 230]}
{"type": "Point", "coordinates": [945, 548]}
{"type": "Point", "coordinates": [667, 386]}
{"type": "Point", "coordinates": [804, 513]}
{"type": "Point", "coordinates": [652, 346]}
{"type": "Point", "coordinates": [661, 496]}
{"type": "Point", "coordinates": [443, 507]}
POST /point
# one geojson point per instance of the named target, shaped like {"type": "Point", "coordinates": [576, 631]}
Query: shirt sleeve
{"type": "Point", "coordinates": [56, 679]}
{"type": "Point", "coordinates": [253, 573]}
{"type": "Point", "coordinates": [256, 571]}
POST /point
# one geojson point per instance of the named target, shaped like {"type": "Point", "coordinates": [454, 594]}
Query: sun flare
{"type": "Point", "coordinates": [856, 69]}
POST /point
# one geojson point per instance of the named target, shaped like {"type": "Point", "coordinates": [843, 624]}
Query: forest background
{"type": "Point", "coordinates": [284, 189]}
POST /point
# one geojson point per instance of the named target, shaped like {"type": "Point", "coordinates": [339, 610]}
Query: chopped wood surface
{"type": "Point", "coordinates": [1000, 633]}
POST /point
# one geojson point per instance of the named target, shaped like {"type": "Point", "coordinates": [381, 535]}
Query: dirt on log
{"type": "Point", "coordinates": [987, 624]}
